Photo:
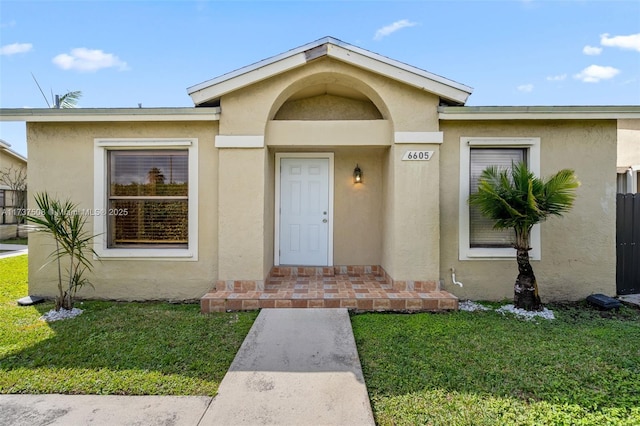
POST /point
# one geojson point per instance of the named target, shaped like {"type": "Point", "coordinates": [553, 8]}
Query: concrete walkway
{"type": "Point", "coordinates": [295, 367]}
{"type": "Point", "coordinates": [10, 250]}
{"type": "Point", "coordinates": [630, 298]}
{"type": "Point", "coordinates": [101, 410]}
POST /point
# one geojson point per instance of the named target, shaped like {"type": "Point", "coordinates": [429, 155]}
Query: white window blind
{"type": "Point", "coordinates": [481, 232]}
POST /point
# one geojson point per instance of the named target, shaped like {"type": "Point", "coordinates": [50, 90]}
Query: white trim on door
{"type": "Point", "coordinates": [279, 156]}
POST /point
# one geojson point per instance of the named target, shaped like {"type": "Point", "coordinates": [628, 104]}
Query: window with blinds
{"type": "Point", "coordinates": [148, 202]}
{"type": "Point", "coordinates": [481, 231]}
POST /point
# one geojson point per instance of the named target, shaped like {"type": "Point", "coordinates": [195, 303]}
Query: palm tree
{"type": "Point", "coordinates": [155, 176]}
{"type": "Point", "coordinates": [62, 221]}
{"type": "Point", "coordinates": [515, 198]}
{"type": "Point", "coordinates": [68, 100]}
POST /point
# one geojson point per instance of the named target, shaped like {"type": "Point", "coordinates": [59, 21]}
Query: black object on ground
{"type": "Point", "coordinates": [604, 302]}
{"type": "Point", "coordinates": [30, 300]}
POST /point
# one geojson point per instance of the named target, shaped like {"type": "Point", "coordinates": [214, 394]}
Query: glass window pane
{"type": "Point", "coordinates": [149, 173]}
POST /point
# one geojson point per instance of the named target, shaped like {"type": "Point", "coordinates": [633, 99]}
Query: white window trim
{"type": "Point", "coordinates": [466, 252]}
{"type": "Point", "coordinates": [100, 184]}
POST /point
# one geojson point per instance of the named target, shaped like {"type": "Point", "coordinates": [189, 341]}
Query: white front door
{"type": "Point", "coordinates": [304, 211]}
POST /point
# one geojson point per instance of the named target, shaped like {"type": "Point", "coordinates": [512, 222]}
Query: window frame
{"type": "Point", "coordinates": [465, 251]}
{"type": "Point", "coordinates": [101, 193]}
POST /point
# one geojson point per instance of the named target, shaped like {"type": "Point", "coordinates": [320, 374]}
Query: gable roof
{"type": "Point", "coordinates": [6, 148]}
{"type": "Point", "coordinates": [210, 91]}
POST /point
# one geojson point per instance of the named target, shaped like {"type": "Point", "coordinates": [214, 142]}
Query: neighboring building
{"type": "Point", "coordinates": [15, 165]}
{"type": "Point", "coordinates": [628, 156]}
{"type": "Point", "coordinates": [10, 158]}
{"type": "Point", "coordinates": [260, 173]}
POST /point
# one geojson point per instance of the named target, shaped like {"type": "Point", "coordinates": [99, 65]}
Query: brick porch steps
{"type": "Point", "coordinates": [361, 288]}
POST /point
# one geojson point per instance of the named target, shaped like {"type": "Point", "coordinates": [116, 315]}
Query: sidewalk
{"type": "Point", "coordinates": [10, 250]}
{"type": "Point", "coordinates": [101, 410]}
{"type": "Point", "coordinates": [295, 367]}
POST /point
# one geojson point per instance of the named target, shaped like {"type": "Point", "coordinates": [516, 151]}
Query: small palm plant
{"type": "Point", "coordinates": [515, 198]}
{"type": "Point", "coordinates": [62, 221]}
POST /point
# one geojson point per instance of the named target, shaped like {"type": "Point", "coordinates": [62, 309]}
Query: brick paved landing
{"type": "Point", "coordinates": [359, 288]}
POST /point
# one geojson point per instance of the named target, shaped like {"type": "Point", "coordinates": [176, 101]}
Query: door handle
{"type": "Point", "coordinates": [324, 220]}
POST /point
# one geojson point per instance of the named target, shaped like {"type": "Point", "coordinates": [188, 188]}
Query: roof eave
{"type": "Point", "coordinates": [33, 115]}
{"type": "Point", "coordinates": [608, 112]}
{"type": "Point", "coordinates": [6, 148]}
{"type": "Point", "coordinates": [333, 48]}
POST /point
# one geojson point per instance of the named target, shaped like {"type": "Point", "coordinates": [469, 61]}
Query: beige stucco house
{"type": "Point", "coordinates": [10, 159]}
{"type": "Point", "coordinates": [260, 175]}
{"type": "Point", "coordinates": [13, 170]}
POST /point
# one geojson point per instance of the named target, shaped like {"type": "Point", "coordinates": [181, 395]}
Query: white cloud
{"type": "Point", "coordinates": [85, 60]}
{"type": "Point", "coordinates": [398, 25]}
{"type": "Point", "coordinates": [629, 42]}
{"type": "Point", "coordinates": [558, 77]}
{"type": "Point", "coordinates": [591, 50]}
{"type": "Point", "coordinates": [525, 88]}
{"type": "Point", "coordinates": [595, 73]}
{"type": "Point", "coordinates": [12, 49]}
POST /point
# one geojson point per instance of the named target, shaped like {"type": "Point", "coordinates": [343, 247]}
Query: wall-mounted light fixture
{"type": "Point", "coordinates": [357, 175]}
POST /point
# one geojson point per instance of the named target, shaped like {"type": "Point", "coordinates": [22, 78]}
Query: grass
{"type": "Point", "coordinates": [483, 368]}
{"type": "Point", "coordinates": [19, 241]}
{"type": "Point", "coordinates": [113, 348]}
{"type": "Point", "coordinates": [460, 368]}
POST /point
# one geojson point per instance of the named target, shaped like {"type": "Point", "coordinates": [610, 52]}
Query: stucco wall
{"type": "Point", "coordinates": [357, 225]}
{"type": "Point", "coordinates": [241, 209]}
{"type": "Point", "coordinates": [247, 110]}
{"type": "Point", "coordinates": [8, 161]}
{"type": "Point", "coordinates": [628, 143]}
{"type": "Point", "coordinates": [334, 133]}
{"type": "Point", "coordinates": [62, 156]}
{"type": "Point", "coordinates": [412, 225]}
{"type": "Point", "coordinates": [328, 107]}
{"type": "Point", "coordinates": [578, 251]}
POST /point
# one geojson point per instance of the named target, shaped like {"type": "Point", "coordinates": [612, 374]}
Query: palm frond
{"type": "Point", "coordinates": [70, 99]}
{"type": "Point", "coordinates": [516, 198]}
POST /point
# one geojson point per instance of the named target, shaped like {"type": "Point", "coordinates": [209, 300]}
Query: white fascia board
{"type": "Point", "coordinates": [226, 83]}
{"type": "Point", "coordinates": [46, 115]}
{"type": "Point", "coordinates": [239, 141]}
{"type": "Point", "coordinates": [6, 148]}
{"type": "Point", "coordinates": [401, 72]}
{"type": "Point", "coordinates": [418, 137]}
{"type": "Point", "coordinates": [243, 77]}
{"type": "Point", "coordinates": [14, 154]}
{"type": "Point", "coordinates": [260, 64]}
{"type": "Point", "coordinates": [539, 113]}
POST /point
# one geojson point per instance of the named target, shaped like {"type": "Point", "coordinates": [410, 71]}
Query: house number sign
{"type": "Point", "coordinates": [417, 155]}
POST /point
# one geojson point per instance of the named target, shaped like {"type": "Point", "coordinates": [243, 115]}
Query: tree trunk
{"type": "Point", "coordinates": [526, 287]}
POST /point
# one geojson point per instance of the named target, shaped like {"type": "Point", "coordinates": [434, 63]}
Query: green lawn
{"type": "Point", "coordinates": [113, 348]}
{"type": "Point", "coordinates": [457, 368]}
{"type": "Point", "coordinates": [483, 368]}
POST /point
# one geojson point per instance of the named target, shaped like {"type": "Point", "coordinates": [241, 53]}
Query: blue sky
{"type": "Point", "coordinates": [119, 54]}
